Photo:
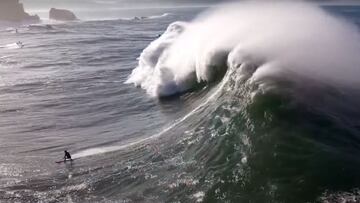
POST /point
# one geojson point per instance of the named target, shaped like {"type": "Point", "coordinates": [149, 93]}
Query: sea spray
{"type": "Point", "coordinates": [146, 75]}
{"type": "Point", "coordinates": [277, 37]}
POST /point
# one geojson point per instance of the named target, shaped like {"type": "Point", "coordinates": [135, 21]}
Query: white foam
{"type": "Point", "coordinates": [157, 80]}
{"type": "Point", "coordinates": [12, 46]}
{"type": "Point", "coordinates": [199, 196]}
{"type": "Point", "coordinates": [159, 16]}
{"type": "Point", "coordinates": [276, 36]}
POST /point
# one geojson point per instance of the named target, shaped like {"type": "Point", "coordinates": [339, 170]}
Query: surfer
{"type": "Point", "coordinates": [67, 156]}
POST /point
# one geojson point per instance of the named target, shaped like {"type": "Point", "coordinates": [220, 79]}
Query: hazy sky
{"type": "Point", "coordinates": [109, 3]}
{"type": "Point", "coordinates": [106, 9]}
{"type": "Point", "coordinates": [41, 7]}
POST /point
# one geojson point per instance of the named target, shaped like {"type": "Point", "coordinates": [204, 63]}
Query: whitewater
{"type": "Point", "coordinates": [276, 37]}
{"type": "Point", "coordinates": [242, 102]}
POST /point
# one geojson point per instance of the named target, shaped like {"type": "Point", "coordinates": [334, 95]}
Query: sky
{"type": "Point", "coordinates": [88, 8]}
{"type": "Point", "coordinates": [106, 9]}
{"type": "Point", "coordinates": [107, 3]}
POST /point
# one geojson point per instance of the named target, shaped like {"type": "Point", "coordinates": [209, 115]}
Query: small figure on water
{"type": "Point", "coordinates": [20, 44]}
{"type": "Point", "coordinates": [67, 156]}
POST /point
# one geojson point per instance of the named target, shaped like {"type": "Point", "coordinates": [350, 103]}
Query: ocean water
{"type": "Point", "coordinates": [243, 103]}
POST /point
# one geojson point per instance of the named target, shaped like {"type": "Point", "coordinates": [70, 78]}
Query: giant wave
{"type": "Point", "coordinates": [259, 39]}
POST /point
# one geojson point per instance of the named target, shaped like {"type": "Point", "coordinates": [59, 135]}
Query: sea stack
{"type": "Point", "coordinates": [13, 11]}
{"type": "Point", "coordinates": [62, 15]}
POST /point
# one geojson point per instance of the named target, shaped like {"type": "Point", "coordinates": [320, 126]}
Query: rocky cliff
{"type": "Point", "coordinates": [62, 15]}
{"type": "Point", "coordinates": [12, 10]}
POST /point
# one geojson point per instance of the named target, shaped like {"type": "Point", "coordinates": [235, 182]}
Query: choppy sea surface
{"type": "Point", "coordinates": [225, 136]}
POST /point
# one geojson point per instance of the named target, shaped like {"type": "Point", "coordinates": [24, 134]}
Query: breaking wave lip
{"type": "Point", "coordinates": [159, 16]}
{"type": "Point", "coordinates": [147, 17]}
{"type": "Point", "coordinates": [258, 40]}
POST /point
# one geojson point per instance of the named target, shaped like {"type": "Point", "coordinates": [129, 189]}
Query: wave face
{"type": "Point", "coordinates": [278, 121]}
{"type": "Point", "coordinates": [274, 37]}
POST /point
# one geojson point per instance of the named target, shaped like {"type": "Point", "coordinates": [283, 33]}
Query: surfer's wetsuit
{"type": "Point", "coordinates": [67, 155]}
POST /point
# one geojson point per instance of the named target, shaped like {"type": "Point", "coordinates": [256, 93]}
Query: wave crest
{"type": "Point", "coordinates": [261, 39]}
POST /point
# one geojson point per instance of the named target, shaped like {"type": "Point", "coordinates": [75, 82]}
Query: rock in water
{"type": "Point", "coordinates": [13, 11]}
{"type": "Point", "coordinates": [62, 15]}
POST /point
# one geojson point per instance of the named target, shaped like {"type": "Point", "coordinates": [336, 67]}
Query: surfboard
{"type": "Point", "coordinates": [64, 161]}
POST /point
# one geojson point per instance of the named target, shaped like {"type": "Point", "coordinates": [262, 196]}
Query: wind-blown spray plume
{"type": "Point", "coordinates": [274, 37]}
